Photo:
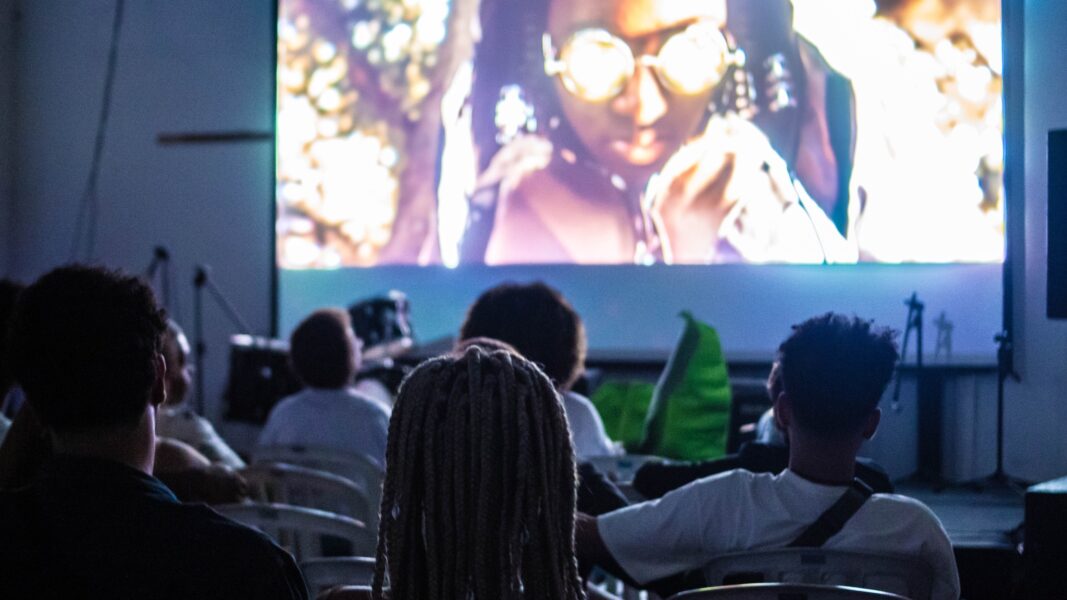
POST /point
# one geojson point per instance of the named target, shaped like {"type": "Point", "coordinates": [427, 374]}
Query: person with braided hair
{"type": "Point", "coordinates": [479, 494]}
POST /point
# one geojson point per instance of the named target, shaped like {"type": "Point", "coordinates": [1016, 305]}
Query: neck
{"type": "Point", "coordinates": [821, 461]}
{"type": "Point", "coordinates": [132, 445]}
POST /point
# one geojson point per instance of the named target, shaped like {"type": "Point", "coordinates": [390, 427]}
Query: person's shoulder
{"type": "Point", "coordinates": [362, 402]}
{"type": "Point", "coordinates": [735, 479]}
{"type": "Point", "coordinates": [228, 539]}
{"type": "Point", "coordinates": [900, 507]}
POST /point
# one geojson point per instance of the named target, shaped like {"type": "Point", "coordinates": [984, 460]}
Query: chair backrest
{"type": "Point", "coordinates": [324, 573]}
{"type": "Point", "coordinates": [280, 483]}
{"type": "Point", "coordinates": [785, 591]}
{"type": "Point", "coordinates": [905, 575]}
{"type": "Point", "coordinates": [359, 469]}
{"type": "Point", "coordinates": [348, 592]}
{"type": "Point", "coordinates": [305, 532]}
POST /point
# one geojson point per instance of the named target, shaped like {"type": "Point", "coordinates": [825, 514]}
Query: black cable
{"type": "Point", "coordinates": [88, 211]}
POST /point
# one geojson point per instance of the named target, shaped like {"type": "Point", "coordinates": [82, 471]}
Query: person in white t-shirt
{"type": "Point", "coordinates": [834, 370]}
{"type": "Point", "coordinates": [539, 323]}
{"type": "Point", "coordinates": [175, 419]}
{"type": "Point", "coordinates": [329, 413]}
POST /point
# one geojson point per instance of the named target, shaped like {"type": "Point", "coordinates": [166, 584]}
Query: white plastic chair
{"type": "Point", "coordinates": [302, 531]}
{"type": "Point", "coordinates": [785, 591]}
{"type": "Point", "coordinates": [357, 468]}
{"type": "Point", "coordinates": [311, 488]}
{"type": "Point", "coordinates": [324, 573]}
{"type": "Point", "coordinates": [904, 575]}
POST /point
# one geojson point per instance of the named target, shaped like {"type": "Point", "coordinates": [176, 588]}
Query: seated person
{"type": "Point", "coordinates": [330, 413]}
{"type": "Point", "coordinates": [542, 326]}
{"type": "Point", "coordinates": [479, 492]}
{"type": "Point", "coordinates": [87, 348]}
{"type": "Point", "coordinates": [175, 419]}
{"type": "Point", "coordinates": [834, 370]}
{"type": "Point", "coordinates": [769, 453]}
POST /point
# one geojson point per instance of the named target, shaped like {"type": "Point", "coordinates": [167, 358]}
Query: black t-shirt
{"type": "Point", "coordinates": [90, 528]}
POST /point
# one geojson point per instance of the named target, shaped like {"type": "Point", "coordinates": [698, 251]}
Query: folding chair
{"type": "Point", "coordinates": [785, 591]}
{"type": "Point", "coordinates": [304, 532]}
{"type": "Point", "coordinates": [904, 575]}
{"type": "Point", "coordinates": [361, 470]}
{"type": "Point", "coordinates": [279, 483]}
{"type": "Point", "coordinates": [324, 573]}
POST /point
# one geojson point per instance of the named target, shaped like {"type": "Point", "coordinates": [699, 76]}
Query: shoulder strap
{"type": "Point", "coordinates": [835, 517]}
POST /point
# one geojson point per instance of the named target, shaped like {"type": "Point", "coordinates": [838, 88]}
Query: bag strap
{"type": "Point", "coordinates": [835, 517]}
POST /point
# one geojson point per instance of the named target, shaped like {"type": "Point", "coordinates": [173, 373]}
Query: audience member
{"type": "Point", "coordinates": [330, 413]}
{"type": "Point", "coordinates": [537, 321]}
{"type": "Point", "coordinates": [175, 419]}
{"type": "Point", "coordinates": [88, 354]}
{"type": "Point", "coordinates": [768, 453]}
{"type": "Point", "coordinates": [479, 492]}
{"type": "Point", "coordinates": [11, 398]}
{"type": "Point", "coordinates": [834, 370]}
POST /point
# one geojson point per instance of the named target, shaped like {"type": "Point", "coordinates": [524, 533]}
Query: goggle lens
{"type": "Point", "coordinates": [596, 65]}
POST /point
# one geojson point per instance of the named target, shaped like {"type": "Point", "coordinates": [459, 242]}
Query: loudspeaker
{"type": "Point", "coordinates": [1057, 224]}
{"type": "Point", "coordinates": [1045, 546]}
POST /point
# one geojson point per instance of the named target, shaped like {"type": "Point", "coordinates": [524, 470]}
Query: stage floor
{"type": "Point", "coordinates": [972, 517]}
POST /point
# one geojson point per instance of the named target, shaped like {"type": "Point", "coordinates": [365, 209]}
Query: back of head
{"type": "Point", "coordinates": [84, 342]}
{"type": "Point", "coordinates": [323, 349]}
{"type": "Point", "coordinates": [479, 492]}
{"type": "Point", "coordinates": [834, 370]}
{"type": "Point", "coordinates": [537, 321]}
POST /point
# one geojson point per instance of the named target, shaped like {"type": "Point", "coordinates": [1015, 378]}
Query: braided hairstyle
{"type": "Point", "coordinates": [479, 494]}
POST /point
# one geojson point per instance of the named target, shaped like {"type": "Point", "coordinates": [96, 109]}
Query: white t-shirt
{"type": "Point", "coordinates": [184, 425]}
{"type": "Point", "coordinates": [739, 510]}
{"type": "Point", "coordinates": [341, 419]}
{"type": "Point", "coordinates": [587, 429]}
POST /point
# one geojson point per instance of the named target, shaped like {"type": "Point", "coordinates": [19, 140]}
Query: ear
{"type": "Point", "coordinates": [783, 411]}
{"type": "Point", "coordinates": [871, 426]}
{"type": "Point", "coordinates": [159, 386]}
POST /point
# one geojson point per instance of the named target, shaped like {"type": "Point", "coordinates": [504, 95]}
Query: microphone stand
{"type": "Point", "coordinates": [160, 262]}
{"type": "Point", "coordinates": [914, 322]}
{"type": "Point", "coordinates": [201, 280]}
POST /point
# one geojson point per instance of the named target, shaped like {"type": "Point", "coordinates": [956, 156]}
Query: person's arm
{"type": "Point", "coordinates": [597, 495]}
{"type": "Point", "coordinates": [593, 552]}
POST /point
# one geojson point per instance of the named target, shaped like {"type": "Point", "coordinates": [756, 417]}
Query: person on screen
{"type": "Point", "coordinates": [329, 413]}
{"type": "Point", "coordinates": [614, 132]}
{"type": "Point", "coordinates": [834, 370]}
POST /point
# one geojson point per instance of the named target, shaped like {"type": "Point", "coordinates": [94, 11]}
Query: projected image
{"type": "Point", "coordinates": [638, 132]}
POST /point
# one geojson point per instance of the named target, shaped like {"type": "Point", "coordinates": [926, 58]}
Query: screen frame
{"type": "Point", "coordinates": [1012, 50]}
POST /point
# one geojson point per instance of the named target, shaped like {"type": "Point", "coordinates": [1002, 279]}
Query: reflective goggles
{"type": "Point", "coordinates": [595, 65]}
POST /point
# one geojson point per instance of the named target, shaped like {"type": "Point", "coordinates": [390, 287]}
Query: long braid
{"type": "Point", "coordinates": [478, 498]}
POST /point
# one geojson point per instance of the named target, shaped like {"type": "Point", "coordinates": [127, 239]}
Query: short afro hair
{"type": "Point", "coordinates": [321, 350]}
{"type": "Point", "coordinates": [84, 342]}
{"type": "Point", "coordinates": [537, 321]}
{"type": "Point", "coordinates": [834, 370]}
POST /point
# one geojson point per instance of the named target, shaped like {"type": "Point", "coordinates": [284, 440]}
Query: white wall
{"type": "Point", "coordinates": [206, 65]}
{"type": "Point", "coordinates": [7, 122]}
{"type": "Point", "coordinates": [193, 65]}
{"type": "Point", "coordinates": [1036, 414]}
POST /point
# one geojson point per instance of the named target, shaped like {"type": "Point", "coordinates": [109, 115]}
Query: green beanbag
{"type": "Point", "coordinates": [623, 406]}
{"type": "Point", "coordinates": [688, 417]}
